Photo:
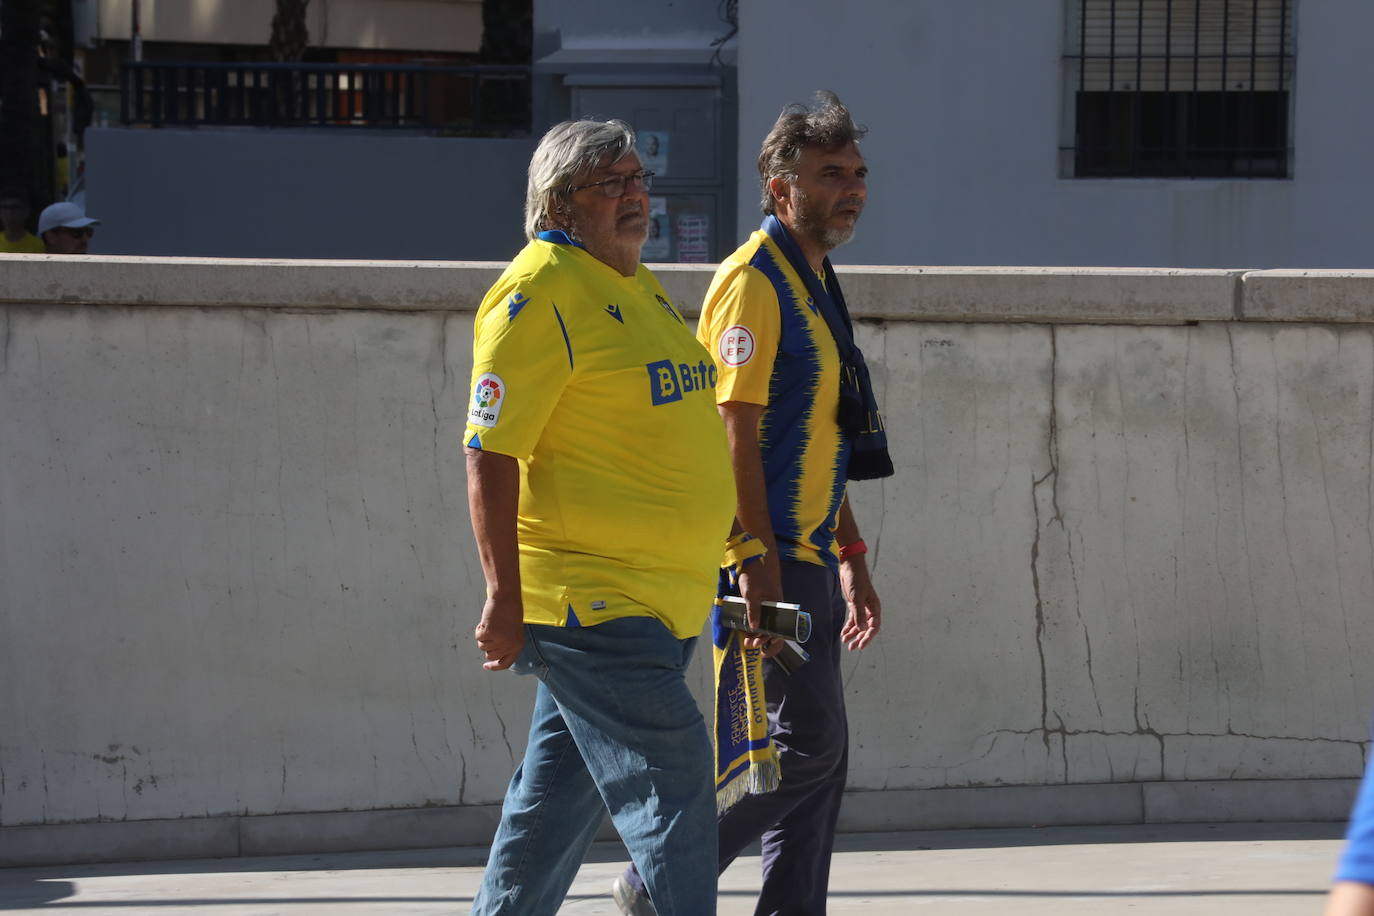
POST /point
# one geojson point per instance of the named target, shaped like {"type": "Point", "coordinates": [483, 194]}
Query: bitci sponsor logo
{"type": "Point", "coordinates": [668, 382]}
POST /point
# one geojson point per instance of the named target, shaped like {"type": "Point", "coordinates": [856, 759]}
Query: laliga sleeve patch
{"type": "Point", "coordinates": [488, 396]}
{"type": "Point", "coordinates": [736, 346]}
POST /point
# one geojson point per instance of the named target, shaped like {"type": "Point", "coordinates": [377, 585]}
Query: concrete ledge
{"type": "Point", "coordinates": [1065, 295]}
{"type": "Point", "coordinates": [255, 835]}
{"type": "Point", "coordinates": [1249, 800]}
{"type": "Point", "coordinates": [686, 284]}
{"type": "Point", "coordinates": [994, 806]}
{"type": "Point", "coordinates": [1102, 295]}
{"type": "Point", "coordinates": [120, 841]}
{"type": "Point", "coordinates": [1307, 295]}
{"type": "Point", "coordinates": [1019, 294]}
{"type": "Point", "coordinates": [345, 831]}
{"type": "Point", "coordinates": [245, 283]}
{"type": "Point", "coordinates": [863, 812]}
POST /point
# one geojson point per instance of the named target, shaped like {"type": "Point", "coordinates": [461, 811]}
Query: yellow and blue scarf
{"type": "Point", "coordinates": [857, 413]}
{"type": "Point", "coordinates": [746, 760]}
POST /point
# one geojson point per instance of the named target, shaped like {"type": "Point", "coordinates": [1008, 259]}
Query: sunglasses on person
{"type": "Point", "coordinates": [618, 185]}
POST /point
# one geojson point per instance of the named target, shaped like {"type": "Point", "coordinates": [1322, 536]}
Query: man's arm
{"type": "Point", "coordinates": [493, 499]}
{"type": "Point", "coordinates": [865, 610]}
{"type": "Point", "coordinates": [760, 580]}
{"type": "Point", "coordinates": [1350, 898]}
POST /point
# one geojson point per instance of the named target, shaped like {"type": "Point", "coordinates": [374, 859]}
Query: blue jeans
{"type": "Point", "coordinates": [614, 728]}
{"type": "Point", "coordinates": [807, 720]}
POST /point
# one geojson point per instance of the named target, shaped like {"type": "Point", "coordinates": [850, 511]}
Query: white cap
{"type": "Point", "coordinates": [64, 214]}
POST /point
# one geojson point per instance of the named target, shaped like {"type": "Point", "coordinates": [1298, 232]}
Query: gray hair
{"type": "Point", "coordinates": [568, 150]}
{"type": "Point", "coordinates": [826, 124]}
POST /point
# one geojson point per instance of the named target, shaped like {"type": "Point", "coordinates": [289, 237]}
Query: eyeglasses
{"type": "Point", "coordinates": [83, 232]}
{"type": "Point", "coordinates": [618, 185]}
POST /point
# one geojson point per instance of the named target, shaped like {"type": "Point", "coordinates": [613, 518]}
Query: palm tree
{"type": "Point", "coordinates": [290, 37]}
{"type": "Point", "coordinates": [289, 34]}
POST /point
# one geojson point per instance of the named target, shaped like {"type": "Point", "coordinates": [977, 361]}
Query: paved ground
{"type": "Point", "coordinates": [1252, 869]}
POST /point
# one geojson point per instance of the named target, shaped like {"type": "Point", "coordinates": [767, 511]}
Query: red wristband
{"type": "Point", "coordinates": [858, 548]}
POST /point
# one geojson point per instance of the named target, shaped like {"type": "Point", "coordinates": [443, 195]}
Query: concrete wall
{"type": "Point", "coordinates": [305, 194]}
{"type": "Point", "coordinates": [964, 101]}
{"type": "Point", "coordinates": [1127, 556]}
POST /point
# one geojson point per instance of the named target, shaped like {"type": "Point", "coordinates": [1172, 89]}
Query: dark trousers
{"type": "Point", "coordinates": [806, 716]}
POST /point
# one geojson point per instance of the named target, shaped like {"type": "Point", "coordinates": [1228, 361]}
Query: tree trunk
{"type": "Point", "coordinates": [289, 41]}
{"type": "Point", "coordinates": [289, 34]}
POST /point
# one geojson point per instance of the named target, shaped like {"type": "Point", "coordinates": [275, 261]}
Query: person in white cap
{"type": "Point", "coordinates": [66, 229]}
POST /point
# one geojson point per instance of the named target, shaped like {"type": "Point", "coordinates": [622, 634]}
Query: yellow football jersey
{"type": "Point", "coordinates": [28, 243]}
{"type": "Point", "coordinates": [773, 347]}
{"type": "Point", "coordinates": [596, 384]}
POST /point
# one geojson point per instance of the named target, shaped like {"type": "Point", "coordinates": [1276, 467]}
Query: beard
{"type": "Point", "coordinates": [811, 222]}
{"type": "Point", "coordinates": [599, 235]}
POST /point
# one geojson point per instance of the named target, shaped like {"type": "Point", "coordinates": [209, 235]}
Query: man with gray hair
{"type": "Point", "coordinates": [801, 419]}
{"type": "Point", "coordinates": [601, 494]}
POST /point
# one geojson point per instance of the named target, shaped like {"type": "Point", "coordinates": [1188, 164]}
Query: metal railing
{"type": "Point", "coordinates": [1180, 88]}
{"type": "Point", "coordinates": [483, 100]}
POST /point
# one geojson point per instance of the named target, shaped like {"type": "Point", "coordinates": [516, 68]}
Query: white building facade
{"type": "Point", "coordinates": [969, 104]}
{"type": "Point", "coordinates": [1187, 133]}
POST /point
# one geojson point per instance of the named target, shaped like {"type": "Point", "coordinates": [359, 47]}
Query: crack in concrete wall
{"type": "Point", "coordinates": [246, 523]}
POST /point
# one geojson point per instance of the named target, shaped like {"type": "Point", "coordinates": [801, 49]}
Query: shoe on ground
{"type": "Point", "coordinates": [631, 901]}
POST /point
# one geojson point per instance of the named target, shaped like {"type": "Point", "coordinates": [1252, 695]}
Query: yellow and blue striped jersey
{"type": "Point", "coordinates": [593, 381]}
{"type": "Point", "coordinates": [773, 348]}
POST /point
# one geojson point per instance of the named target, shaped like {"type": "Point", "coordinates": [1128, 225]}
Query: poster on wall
{"type": "Point", "coordinates": [653, 151]}
{"type": "Point", "coordinates": [659, 245]}
{"type": "Point", "coordinates": [693, 238]}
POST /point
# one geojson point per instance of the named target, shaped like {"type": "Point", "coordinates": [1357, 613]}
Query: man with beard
{"type": "Point", "coordinates": [801, 420]}
{"type": "Point", "coordinates": [600, 490]}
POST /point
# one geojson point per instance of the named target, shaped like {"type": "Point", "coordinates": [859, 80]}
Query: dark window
{"type": "Point", "coordinates": [1179, 88]}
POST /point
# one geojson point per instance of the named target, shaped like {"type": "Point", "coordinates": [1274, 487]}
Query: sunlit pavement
{"type": "Point", "coordinates": [1253, 869]}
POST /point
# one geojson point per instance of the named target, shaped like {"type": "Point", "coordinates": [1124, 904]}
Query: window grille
{"type": "Point", "coordinates": [1179, 88]}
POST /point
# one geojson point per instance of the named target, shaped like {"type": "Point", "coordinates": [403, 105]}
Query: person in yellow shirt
{"type": "Point", "coordinates": [802, 420]}
{"type": "Point", "coordinates": [601, 495]}
{"type": "Point", "coordinates": [15, 237]}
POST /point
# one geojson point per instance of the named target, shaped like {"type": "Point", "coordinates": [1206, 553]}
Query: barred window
{"type": "Point", "coordinates": [1178, 88]}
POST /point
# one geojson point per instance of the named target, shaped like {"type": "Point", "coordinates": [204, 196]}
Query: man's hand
{"type": "Point", "coordinates": [493, 499]}
{"type": "Point", "coordinates": [865, 610]}
{"type": "Point", "coordinates": [760, 581]}
{"type": "Point", "coordinates": [501, 633]}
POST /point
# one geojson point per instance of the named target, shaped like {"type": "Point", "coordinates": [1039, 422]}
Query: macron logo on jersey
{"type": "Point", "coordinates": [668, 383]}
{"type": "Point", "coordinates": [515, 304]}
{"type": "Point", "coordinates": [614, 312]}
{"type": "Point", "coordinates": [488, 397]}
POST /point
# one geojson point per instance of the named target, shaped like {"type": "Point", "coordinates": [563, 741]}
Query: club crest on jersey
{"type": "Point", "coordinates": [668, 307]}
{"type": "Point", "coordinates": [736, 346]}
{"type": "Point", "coordinates": [488, 397]}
